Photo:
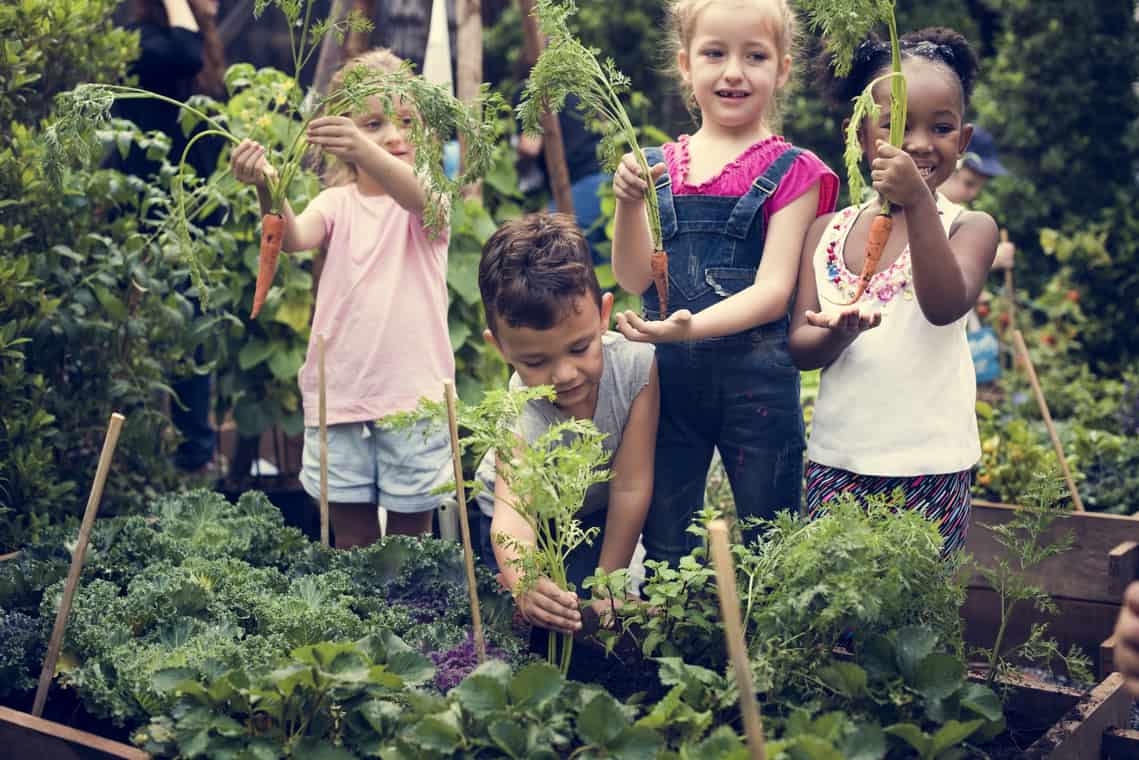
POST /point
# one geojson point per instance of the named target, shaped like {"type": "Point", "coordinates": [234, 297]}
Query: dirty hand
{"type": "Point", "coordinates": [249, 164]}
{"type": "Point", "coordinates": [629, 184]}
{"type": "Point", "coordinates": [850, 321]}
{"type": "Point", "coordinates": [1127, 639]}
{"type": "Point", "coordinates": [337, 135]}
{"type": "Point", "coordinates": [548, 606]}
{"type": "Point", "coordinates": [895, 175]}
{"type": "Point", "coordinates": [677, 327]}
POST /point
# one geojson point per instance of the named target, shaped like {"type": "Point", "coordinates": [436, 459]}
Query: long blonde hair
{"type": "Point", "coordinates": [335, 171]}
{"type": "Point", "coordinates": [682, 17]}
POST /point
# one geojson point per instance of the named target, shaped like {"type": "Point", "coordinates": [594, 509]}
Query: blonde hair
{"type": "Point", "coordinates": [336, 172]}
{"type": "Point", "coordinates": [682, 18]}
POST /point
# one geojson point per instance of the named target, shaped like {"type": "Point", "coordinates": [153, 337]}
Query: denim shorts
{"type": "Point", "coordinates": [371, 465]}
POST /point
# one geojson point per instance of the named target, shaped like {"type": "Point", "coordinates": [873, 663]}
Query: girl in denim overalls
{"type": "Point", "coordinates": [736, 201]}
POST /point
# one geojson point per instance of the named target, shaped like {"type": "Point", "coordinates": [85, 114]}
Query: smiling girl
{"type": "Point", "coordinates": [382, 309]}
{"type": "Point", "coordinates": [736, 200]}
{"type": "Point", "coordinates": [896, 403]}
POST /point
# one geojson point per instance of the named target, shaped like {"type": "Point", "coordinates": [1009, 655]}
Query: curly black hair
{"type": "Point", "coordinates": [872, 58]}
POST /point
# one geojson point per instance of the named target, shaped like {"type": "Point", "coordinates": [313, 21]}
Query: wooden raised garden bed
{"type": "Point", "coordinates": [1086, 582]}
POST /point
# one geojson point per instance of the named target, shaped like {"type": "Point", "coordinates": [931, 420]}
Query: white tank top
{"type": "Point", "coordinates": [901, 399]}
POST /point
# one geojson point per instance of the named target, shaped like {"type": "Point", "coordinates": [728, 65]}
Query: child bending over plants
{"type": "Point", "coordinates": [735, 201]}
{"type": "Point", "coordinates": [548, 318]}
{"type": "Point", "coordinates": [896, 403]}
{"type": "Point", "coordinates": [382, 310]}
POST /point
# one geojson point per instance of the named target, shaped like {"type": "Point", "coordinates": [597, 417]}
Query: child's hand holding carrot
{"type": "Point", "coordinates": [628, 183]}
{"type": "Point", "coordinates": [337, 135]}
{"type": "Point", "coordinates": [895, 175]}
{"type": "Point", "coordinates": [249, 164]}
{"type": "Point", "coordinates": [850, 322]}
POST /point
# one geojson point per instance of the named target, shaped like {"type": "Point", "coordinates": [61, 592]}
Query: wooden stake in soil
{"type": "Point", "coordinates": [323, 442]}
{"type": "Point", "coordinates": [464, 524]}
{"type": "Point", "coordinates": [1022, 350]}
{"type": "Point", "coordinates": [733, 631]}
{"type": "Point", "coordinates": [78, 556]}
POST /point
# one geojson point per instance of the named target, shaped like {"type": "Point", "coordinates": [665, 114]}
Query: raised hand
{"type": "Point", "coordinates": [895, 175]}
{"type": "Point", "coordinates": [677, 327]}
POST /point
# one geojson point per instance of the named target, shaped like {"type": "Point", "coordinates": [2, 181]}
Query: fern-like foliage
{"type": "Point", "coordinates": [568, 67]}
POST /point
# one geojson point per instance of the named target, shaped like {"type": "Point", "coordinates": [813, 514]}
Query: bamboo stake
{"type": "Point", "coordinates": [464, 524]}
{"type": "Point", "coordinates": [323, 442]}
{"type": "Point", "coordinates": [77, 557]}
{"type": "Point", "coordinates": [552, 144]}
{"type": "Point", "coordinates": [733, 632]}
{"type": "Point", "coordinates": [1022, 349]}
{"type": "Point", "coordinates": [1009, 291]}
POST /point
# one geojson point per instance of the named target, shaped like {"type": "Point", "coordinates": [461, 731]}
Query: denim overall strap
{"type": "Point", "coordinates": [739, 223]}
{"type": "Point", "coordinates": [668, 227]}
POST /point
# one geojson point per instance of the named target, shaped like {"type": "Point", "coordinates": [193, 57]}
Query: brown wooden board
{"type": "Point", "coordinates": [1078, 735]}
{"type": "Point", "coordinates": [1084, 572]}
{"type": "Point", "coordinates": [23, 735]}
{"type": "Point", "coordinates": [1086, 624]}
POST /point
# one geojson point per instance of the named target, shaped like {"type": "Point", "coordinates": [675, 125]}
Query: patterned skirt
{"type": "Point", "coordinates": [943, 499]}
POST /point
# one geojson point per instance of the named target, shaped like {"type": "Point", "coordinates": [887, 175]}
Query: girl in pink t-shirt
{"type": "Point", "coordinates": [735, 204]}
{"type": "Point", "coordinates": [382, 309]}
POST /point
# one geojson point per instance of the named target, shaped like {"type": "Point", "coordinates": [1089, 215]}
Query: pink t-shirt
{"type": "Point", "coordinates": [737, 176]}
{"type": "Point", "coordinates": [382, 308]}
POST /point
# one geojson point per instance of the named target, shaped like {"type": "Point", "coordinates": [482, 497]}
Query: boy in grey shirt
{"type": "Point", "coordinates": [548, 318]}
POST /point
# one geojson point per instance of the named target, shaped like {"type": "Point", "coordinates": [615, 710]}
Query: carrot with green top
{"type": "Point", "coordinates": [272, 234]}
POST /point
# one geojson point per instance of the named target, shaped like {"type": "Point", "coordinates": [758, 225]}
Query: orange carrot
{"type": "Point", "coordinates": [659, 263]}
{"type": "Point", "coordinates": [272, 230]}
{"type": "Point", "coordinates": [875, 244]}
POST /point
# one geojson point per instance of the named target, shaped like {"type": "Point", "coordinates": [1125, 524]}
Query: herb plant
{"type": "Point", "coordinates": [548, 478]}
{"type": "Point", "coordinates": [1023, 539]}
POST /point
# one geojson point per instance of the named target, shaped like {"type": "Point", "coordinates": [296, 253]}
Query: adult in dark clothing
{"type": "Point", "coordinates": [180, 55]}
{"type": "Point", "coordinates": [585, 172]}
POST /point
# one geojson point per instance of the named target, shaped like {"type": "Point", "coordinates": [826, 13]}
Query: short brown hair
{"type": "Point", "coordinates": [532, 269]}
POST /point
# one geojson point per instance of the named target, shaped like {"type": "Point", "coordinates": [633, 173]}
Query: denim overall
{"type": "Point", "coordinates": [738, 393]}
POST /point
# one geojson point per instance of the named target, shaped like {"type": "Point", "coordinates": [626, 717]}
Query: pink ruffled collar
{"type": "Point", "coordinates": [764, 151]}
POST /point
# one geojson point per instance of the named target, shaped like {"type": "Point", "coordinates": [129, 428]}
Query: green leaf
{"type": "Point", "coordinates": [314, 748]}
{"type": "Point", "coordinates": [294, 312]}
{"type": "Point", "coordinates": [458, 331]}
{"type": "Point", "coordinates": [951, 734]}
{"type": "Point", "coordinates": [286, 364]}
{"type": "Point", "coordinates": [253, 353]}
{"type": "Point", "coordinates": [411, 666]}
{"type": "Point", "coordinates": [509, 737]}
{"type": "Point", "coordinates": [169, 679]}
{"type": "Point", "coordinates": [463, 276]}
{"type": "Point", "coordinates": [913, 644]}
{"type": "Point", "coordinates": [866, 743]}
{"type": "Point", "coordinates": [481, 695]}
{"type": "Point", "coordinates": [876, 655]}
{"type": "Point", "coordinates": [535, 685]}
{"type": "Point", "coordinates": [438, 732]}
{"type": "Point", "coordinates": [111, 303]}
{"type": "Point", "coordinates": [911, 735]}
{"type": "Point", "coordinates": [601, 721]}
{"type": "Point", "coordinates": [636, 743]}
{"type": "Point", "coordinates": [846, 678]}
{"type": "Point", "coordinates": [938, 675]}
{"type": "Point", "coordinates": [982, 700]}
